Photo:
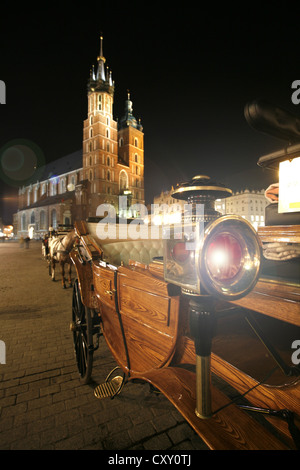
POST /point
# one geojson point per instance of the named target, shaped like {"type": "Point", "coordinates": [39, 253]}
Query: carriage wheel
{"type": "Point", "coordinates": [82, 335]}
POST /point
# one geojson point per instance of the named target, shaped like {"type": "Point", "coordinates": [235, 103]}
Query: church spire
{"type": "Point", "coordinates": [102, 79]}
{"type": "Point", "coordinates": [101, 49]}
{"type": "Point", "coordinates": [101, 61]}
{"type": "Point", "coordinates": [128, 119]}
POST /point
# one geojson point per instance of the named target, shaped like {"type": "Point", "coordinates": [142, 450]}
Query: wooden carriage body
{"type": "Point", "coordinates": [145, 322]}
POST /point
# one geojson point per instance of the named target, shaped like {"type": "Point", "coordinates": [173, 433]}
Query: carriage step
{"type": "Point", "coordinates": [110, 388]}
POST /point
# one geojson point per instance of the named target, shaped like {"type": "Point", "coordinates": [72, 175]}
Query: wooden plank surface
{"type": "Point", "coordinates": [280, 233]}
{"type": "Point", "coordinates": [229, 429]}
{"type": "Point", "coordinates": [276, 299]}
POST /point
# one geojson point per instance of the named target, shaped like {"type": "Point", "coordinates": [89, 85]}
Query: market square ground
{"type": "Point", "coordinates": [43, 405]}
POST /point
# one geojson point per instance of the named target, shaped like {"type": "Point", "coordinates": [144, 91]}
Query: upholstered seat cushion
{"type": "Point", "coordinates": [116, 251]}
{"type": "Point", "coordinates": [137, 250]}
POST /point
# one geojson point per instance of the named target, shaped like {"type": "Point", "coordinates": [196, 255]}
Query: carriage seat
{"type": "Point", "coordinates": [118, 251]}
{"type": "Point", "coordinates": [142, 251]}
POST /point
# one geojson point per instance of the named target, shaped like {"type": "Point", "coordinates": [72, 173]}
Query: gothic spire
{"type": "Point", "coordinates": [102, 78]}
{"type": "Point", "coordinates": [101, 61]}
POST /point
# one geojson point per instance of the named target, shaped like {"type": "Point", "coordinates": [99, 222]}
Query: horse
{"type": "Point", "coordinates": [59, 249]}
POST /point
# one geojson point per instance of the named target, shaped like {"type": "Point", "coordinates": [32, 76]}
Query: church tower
{"type": "Point", "coordinates": [131, 156]}
{"type": "Point", "coordinates": [113, 156]}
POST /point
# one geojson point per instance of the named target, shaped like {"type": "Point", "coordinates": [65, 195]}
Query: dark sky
{"type": "Point", "coordinates": [190, 72]}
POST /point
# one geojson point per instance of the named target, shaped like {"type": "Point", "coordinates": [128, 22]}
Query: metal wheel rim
{"type": "Point", "coordinates": [81, 340]}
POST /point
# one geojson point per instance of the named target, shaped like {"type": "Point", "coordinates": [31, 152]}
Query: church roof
{"type": "Point", "coordinates": [66, 164]}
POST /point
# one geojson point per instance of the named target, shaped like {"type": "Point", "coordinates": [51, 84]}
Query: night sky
{"type": "Point", "coordinates": [190, 72]}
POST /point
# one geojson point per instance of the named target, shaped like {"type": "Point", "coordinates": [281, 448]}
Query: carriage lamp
{"type": "Point", "coordinates": [209, 256]}
{"type": "Point", "coordinates": [182, 243]}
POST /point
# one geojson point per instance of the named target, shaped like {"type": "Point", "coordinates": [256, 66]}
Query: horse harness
{"type": "Point", "coordinates": [63, 251]}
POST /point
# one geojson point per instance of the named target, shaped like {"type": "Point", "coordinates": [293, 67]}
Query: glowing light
{"type": "Point", "coordinates": [219, 258]}
{"type": "Point", "coordinates": [289, 186]}
{"type": "Point", "coordinates": [224, 257]}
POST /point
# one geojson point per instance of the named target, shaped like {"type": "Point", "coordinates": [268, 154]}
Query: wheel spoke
{"type": "Point", "coordinates": [82, 335]}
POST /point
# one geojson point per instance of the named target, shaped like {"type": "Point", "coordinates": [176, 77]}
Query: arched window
{"type": "Point", "coordinates": [108, 175]}
{"type": "Point", "coordinates": [23, 221]}
{"type": "Point", "coordinates": [62, 186]}
{"type": "Point", "coordinates": [135, 142]}
{"type": "Point", "coordinates": [53, 219]}
{"type": "Point", "coordinates": [35, 194]}
{"type": "Point", "coordinates": [32, 218]}
{"type": "Point", "coordinates": [108, 161]}
{"type": "Point", "coordinates": [53, 187]}
{"type": "Point", "coordinates": [67, 217]}
{"type": "Point", "coordinates": [43, 220]}
{"type": "Point", "coordinates": [123, 181]}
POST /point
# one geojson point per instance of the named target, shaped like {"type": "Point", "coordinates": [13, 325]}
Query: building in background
{"type": "Point", "coordinates": [113, 152]}
{"type": "Point", "coordinates": [50, 201]}
{"type": "Point", "coordinates": [110, 165]}
{"type": "Point", "coordinates": [248, 204]}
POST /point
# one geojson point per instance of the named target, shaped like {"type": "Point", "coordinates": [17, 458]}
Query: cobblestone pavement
{"type": "Point", "coordinates": [42, 403]}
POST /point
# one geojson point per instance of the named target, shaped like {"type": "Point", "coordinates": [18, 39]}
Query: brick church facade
{"type": "Point", "coordinates": [110, 165]}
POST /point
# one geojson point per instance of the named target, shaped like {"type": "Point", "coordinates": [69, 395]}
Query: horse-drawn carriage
{"type": "Point", "coordinates": [56, 248]}
{"type": "Point", "coordinates": [189, 309]}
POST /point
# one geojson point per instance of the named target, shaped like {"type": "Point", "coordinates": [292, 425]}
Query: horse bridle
{"type": "Point", "coordinates": [65, 250]}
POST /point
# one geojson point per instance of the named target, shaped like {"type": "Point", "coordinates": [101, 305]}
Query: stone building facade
{"type": "Point", "coordinates": [249, 204]}
{"type": "Point", "coordinates": [51, 201]}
